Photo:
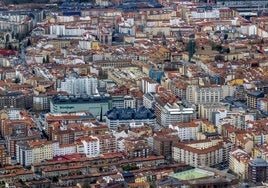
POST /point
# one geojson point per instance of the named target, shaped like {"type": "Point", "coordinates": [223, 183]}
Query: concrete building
{"type": "Point", "coordinates": [90, 146]}
{"type": "Point", "coordinates": [107, 143]}
{"type": "Point", "coordinates": [258, 170]}
{"type": "Point", "coordinates": [208, 94]}
{"type": "Point", "coordinates": [238, 163]}
{"type": "Point", "coordinates": [95, 105]}
{"type": "Point", "coordinates": [236, 118]}
{"type": "Point", "coordinates": [136, 148]}
{"type": "Point", "coordinates": [15, 99]}
{"type": "Point", "coordinates": [148, 100]}
{"type": "Point", "coordinates": [262, 104]}
{"type": "Point", "coordinates": [34, 151]}
{"type": "Point", "coordinates": [252, 98]}
{"type": "Point", "coordinates": [148, 85]}
{"type": "Point", "coordinates": [63, 149]}
{"type": "Point", "coordinates": [4, 157]}
{"type": "Point", "coordinates": [123, 101]}
{"type": "Point", "coordinates": [170, 113]}
{"type": "Point", "coordinates": [162, 144]}
{"type": "Point", "coordinates": [206, 110]}
{"type": "Point", "coordinates": [201, 153]}
{"type": "Point", "coordinates": [186, 131]}
{"type": "Point", "coordinates": [41, 102]}
{"type": "Point", "coordinates": [78, 86]}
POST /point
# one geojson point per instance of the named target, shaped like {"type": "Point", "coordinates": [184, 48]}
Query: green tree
{"type": "Point", "coordinates": [47, 59]}
{"type": "Point", "coordinates": [191, 49]}
{"type": "Point", "coordinates": [29, 42]}
{"type": "Point", "coordinates": [17, 80]}
{"type": "Point", "coordinates": [85, 185]}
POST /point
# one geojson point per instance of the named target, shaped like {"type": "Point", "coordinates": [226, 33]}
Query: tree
{"type": "Point", "coordinates": [17, 80]}
{"type": "Point", "coordinates": [225, 37]}
{"type": "Point", "coordinates": [29, 42]}
{"type": "Point", "coordinates": [191, 49]}
{"type": "Point", "coordinates": [47, 59]}
{"type": "Point", "coordinates": [85, 185]}
{"type": "Point", "coordinates": [219, 58]}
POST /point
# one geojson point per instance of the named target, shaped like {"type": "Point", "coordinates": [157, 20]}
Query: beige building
{"type": "Point", "coordinates": [201, 153]}
{"type": "Point", "coordinates": [238, 163]}
{"type": "Point", "coordinates": [260, 151]}
{"type": "Point", "coordinates": [205, 110]}
{"type": "Point", "coordinates": [34, 151]}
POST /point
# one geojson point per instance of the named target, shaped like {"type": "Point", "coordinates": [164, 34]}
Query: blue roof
{"type": "Point", "coordinates": [130, 113]}
{"type": "Point", "coordinates": [259, 162]}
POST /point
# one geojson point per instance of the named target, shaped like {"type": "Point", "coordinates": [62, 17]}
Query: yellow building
{"type": "Point", "coordinates": [95, 45]}
{"type": "Point", "coordinates": [41, 150]}
{"type": "Point", "coordinates": [140, 178]}
{"type": "Point", "coordinates": [235, 82]}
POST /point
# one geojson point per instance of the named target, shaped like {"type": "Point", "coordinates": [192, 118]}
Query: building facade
{"type": "Point", "coordinates": [95, 105]}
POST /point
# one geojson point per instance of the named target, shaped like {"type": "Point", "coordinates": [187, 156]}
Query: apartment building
{"type": "Point", "coordinates": [63, 149]}
{"type": "Point", "coordinates": [186, 131]}
{"type": "Point", "coordinates": [4, 157]}
{"type": "Point", "coordinates": [41, 102]}
{"type": "Point", "coordinates": [202, 152]}
{"type": "Point", "coordinates": [107, 143]}
{"type": "Point", "coordinates": [258, 170]}
{"type": "Point", "coordinates": [169, 113]}
{"type": "Point", "coordinates": [206, 110]}
{"type": "Point", "coordinates": [126, 101]}
{"type": "Point", "coordinates": [136, 148]}
{"type": "Point", "coordinates": [238, 163]}
{"type": "Point", "coordinates": [252, 98]}
{"type": "Point", "coordinates": [78, 86]}
{"type": "Point", "coordinates": [15, 99]}
{"type": "Point", "coordinates": [90, 146]}
{"type": "Point", "coordinates": [148, 100]}
{"type": "Point", "coordinates": [260, 150]}
{"type": "Point", "coordinates": [148, 85]}
{"type": "Point", "coordinates": [162, 144]}
{"type": "Point", "coordinates": [236, 118]}
{"type": "Point", "coordinates": [206, 94]}
{"type": "Point", "coordinates": [33, 151]}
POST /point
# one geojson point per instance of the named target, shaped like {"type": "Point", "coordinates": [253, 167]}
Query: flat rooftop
{"type": "Point", "coordinates": [192, 174]}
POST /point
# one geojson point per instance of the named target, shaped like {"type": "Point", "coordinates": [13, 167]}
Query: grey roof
{"type": "Point", "coordinates": [259, 162]}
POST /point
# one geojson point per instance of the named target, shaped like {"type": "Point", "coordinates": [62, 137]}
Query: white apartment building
{"type": "Point", "coordinates": [79, 85]}
{"type": "Point", "coordinates": [91, 146]}
{"type": "Point", "coordinates": [186, 131]}
{"type": "Point", "coordinates": [236, 118]}
{"type": "Point", "coordinates": [57, 30]}
{"type": "Point", "coordinates": [84, 45]}
{"type": "Point", "coordinates": [205, 14]}
{"type": "Point", "coordinates": [148, 85]}
{"type": "Point", "coordinates": [24, 155]}
{"type": "Point", "coordinates": [119, 139]}
{"type": "Point", "coordinates": [171, 113]}
{"type": "Point", "coordinates": [65, 149]}
{"type": "Point", "coordinates": [129, 102]}
{"type": "Point", "coordinates": [148, 100]}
